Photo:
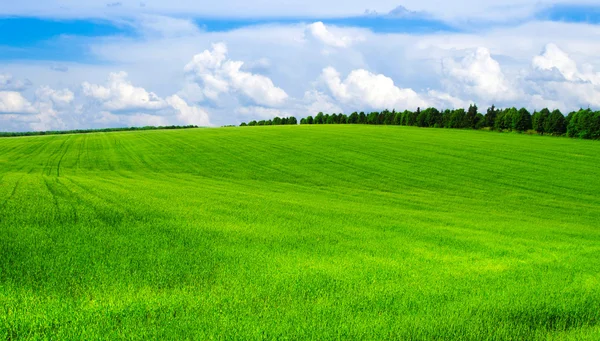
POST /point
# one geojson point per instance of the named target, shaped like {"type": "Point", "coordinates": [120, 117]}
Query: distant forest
{"type": "Point", "coordinates": [584, 123]}
{"type": "Point", "coordinates": [86, 131]}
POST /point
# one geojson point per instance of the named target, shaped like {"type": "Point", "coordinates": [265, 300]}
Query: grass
{"type": "Point", "coordinates": [303, 232]}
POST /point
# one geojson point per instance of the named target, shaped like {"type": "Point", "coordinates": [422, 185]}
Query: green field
{"type": "Point", "coordinates": [300, 232]}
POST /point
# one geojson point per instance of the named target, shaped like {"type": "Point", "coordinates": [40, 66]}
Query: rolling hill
{"type": "Point", "coordinates": [299, 232]}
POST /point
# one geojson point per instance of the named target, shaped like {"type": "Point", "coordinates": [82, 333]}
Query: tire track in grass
{"type": "Point", "coordinates": [50, 162]}
{"type": "Point", "coordinates": [12, 193]}
{"type": "Point", "coordinates": [59, 189]}
{"type": "Point", "coordinates": [62, 156]}
{"type": "Point", "coordinates": [82, 142]}
{"type": "Point", "coordinates": [54, 198]}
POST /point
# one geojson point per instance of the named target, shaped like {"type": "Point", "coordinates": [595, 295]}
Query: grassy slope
{"type": "Point", "coordinates": [306, 232]}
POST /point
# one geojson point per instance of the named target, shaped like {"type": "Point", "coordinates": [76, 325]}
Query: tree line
{"type": "Point", "coordinates": [87, 131]}
{"type": "Point", "coordinates": [583, 123]}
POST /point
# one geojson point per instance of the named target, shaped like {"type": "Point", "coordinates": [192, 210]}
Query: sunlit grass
{"type": "Point", "coordinates": [305, 232]}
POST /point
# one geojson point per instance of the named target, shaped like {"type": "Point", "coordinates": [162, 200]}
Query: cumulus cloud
{"type": "Point", "coordinates": [481, 75]}
{"type": "Point", "coordinates": [188, 114]}
{"type": "Point", "coordinates": [319, 32]}
{"type": "Point", "coordinates": [12, 102]}
{"type": "Point", "coordinates": [120, 95]}
{"type": "Point", "coordinates": [364, 88]}
{"type": "Point", "coordinates": [218, 75]}
{"type": "Point", "coordinates": [553, 58]}
{"type": "Point", "coordinates": [59, 97]}
{"type": "Point", "coordinates": [577, 86]}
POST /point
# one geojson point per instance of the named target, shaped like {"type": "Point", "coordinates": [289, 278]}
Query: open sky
{"type": "Point", "coordinates": [68, 64]}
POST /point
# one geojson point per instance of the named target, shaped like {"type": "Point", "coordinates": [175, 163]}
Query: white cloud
{"type": "Point", "coordinates": [256, 112]}
{"type": "Point", "coordinates": [317, 101]}
{"type": "Point", "coordinates": [9, 83]}
{"type": "Point", "coordinates": [12, 102]}
{"type": "Point", "coordinates": [576, 88]}
{"type": "Point", "coordinates": [217, 75]}
{"type": "Point", "coordinates": [555, 58]}
{"type": "Point", "coordinates": [188, 114]}
{"type": "Point", "coordinates": [321, 33]}
{"type": "Point", "coordinates": [377, 91]}
{"type": "Point", "coordinates": [59, 97]}
{"type": "Point", "coordinates": [480, 75]}
{"type": "Point", "coordinates": [120, 95]}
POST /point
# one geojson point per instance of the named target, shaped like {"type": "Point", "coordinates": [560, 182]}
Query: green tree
{"type": "Point", "coordinates": [373, 118]}
{"type": "Point", "coordinates": [398, 119]}
{"type": "Point", "coordinates": [362, 118]}
{"type": "Point", "coordinates": [479, 121]}
{"type": "Point", "coordinates": [522, 120]}
{"type": "Point", "coordinates": [457, 119]}
{"type": "Point", "coordinates": [538, 120]}
{"type": "Point", "coordinates": [319, 119]}
{"type": "Point", "coordinates": [555, 124]}
{"type": "Point", "coordinates": [333, 119]}
{"type": "Point", "coordinates": [490, 117]}
{"type": "Point", "coordinates": [470, 117]}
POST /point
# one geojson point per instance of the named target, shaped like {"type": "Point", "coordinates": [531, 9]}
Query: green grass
{"type": "Point", "coordinates": [303, 232]}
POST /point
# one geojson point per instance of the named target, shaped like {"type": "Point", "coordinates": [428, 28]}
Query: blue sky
{"type": "Point", "coordinates": [66, 64]}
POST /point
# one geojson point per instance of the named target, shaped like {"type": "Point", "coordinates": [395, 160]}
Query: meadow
{"type": "Point", "coordinates": [300, 232]}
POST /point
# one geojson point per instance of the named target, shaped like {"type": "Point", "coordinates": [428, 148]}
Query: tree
{"type": "Point", "coordinates": [555, 124]}
{"type": "Point", "coordinates": [292, 120]}
{"type": "Point", "coordinates": [353, 118]}
{"type": "Point", "coordinates": [470, 117]}
{"type": "Point", "coordinates": [434, 117]}
{"type": "Point", "coordinates": [411, 117]}
{"type": "Point", "coordinates": [309, 120]}
{"type": "Point", "coordinates": [479, 121]}
{"type": "Point", "coordinates": [490, 117]}
{"type": "Point", "coordinates": [319, 119]}
{"type": "Point", "coordinates": [373, 118]}
{"type": "Point", "coordinates": [457, 119]}
{"type": "Point", "coordinates": [362, 118]}
{"type": "Point", "coordinates": [584, 124]}
{"type": "Point", "coordinates": [243, 124]}
{"type": "Point", "coordinates": [406, 117]}
{"type": "Point", "coordinates": [538, 120]}
{"type": "Point", "coordinates": [277, 121]}
{"type": "Point", "coordinates": [522, 120]}
{"type": "Point", "coordinates": [422, 119]}
{"type": "Point", "coordinates": [386, 117]}
{"type": "Point", "coordinates": [398, 118]}
{"type": "Point", "coordinates": [330, 119]}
